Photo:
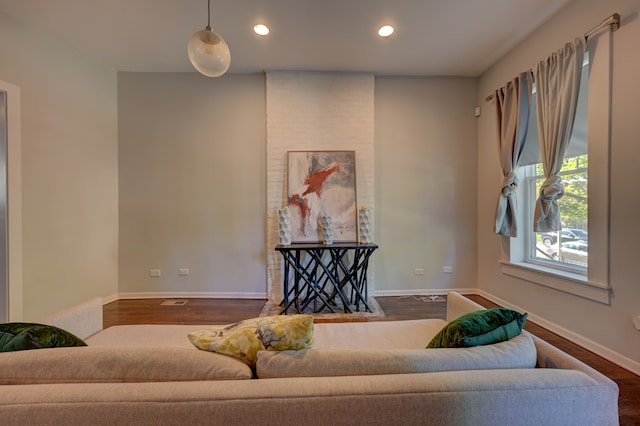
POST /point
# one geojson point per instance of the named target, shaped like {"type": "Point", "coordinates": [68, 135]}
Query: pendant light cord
{"type": "Point", "coordinates": [209, 15]}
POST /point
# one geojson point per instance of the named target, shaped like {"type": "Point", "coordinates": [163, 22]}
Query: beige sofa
{"type": "Point", "coordinates": [365, 373]}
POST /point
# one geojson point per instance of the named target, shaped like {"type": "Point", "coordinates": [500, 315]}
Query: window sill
{"type": "Point", "coordinates": [567, 282]}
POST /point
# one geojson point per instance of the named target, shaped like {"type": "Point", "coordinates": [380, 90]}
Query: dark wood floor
{"type": "Point", "coordinates": [223, 311]}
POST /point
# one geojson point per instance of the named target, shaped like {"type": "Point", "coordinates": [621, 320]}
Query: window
{"type": "Point", "coordinates": [576, 259]}
{"type": "Point", "coordinates": [548, 248]}
{"type": "Point", "coordinates": [554, 248]}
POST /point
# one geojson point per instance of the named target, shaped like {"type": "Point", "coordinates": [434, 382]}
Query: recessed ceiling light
{"type": "Point", "coordinates": [385, 31]}
{"type": "Point", "coordinates": [261, 29]}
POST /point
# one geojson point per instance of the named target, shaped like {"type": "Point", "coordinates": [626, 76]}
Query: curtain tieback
{"type": "Point", "coordinates": [509, 184]}
{"type": "Point", "coordinates": [552, 189]}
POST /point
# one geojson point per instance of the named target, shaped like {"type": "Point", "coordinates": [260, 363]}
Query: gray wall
{"type": "Point", "coordinates": [606, 329]}
{"type": "Point", "coordinates": [192, 184]}
{"type": "Point", "coordinates": [69, 170]}
{"type": "Point", "coordinates": [425, 143]}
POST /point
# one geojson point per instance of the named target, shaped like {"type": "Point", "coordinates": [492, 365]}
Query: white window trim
{"type": "Point", "coordinates": [14, 202]}
{"type": "Point", "coordinates": [567, 282]}
{"type": "Point", "coordinates": [595, 285]}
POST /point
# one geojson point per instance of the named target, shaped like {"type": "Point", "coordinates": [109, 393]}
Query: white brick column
{"type": "Point", "coordinates": [310, 111]}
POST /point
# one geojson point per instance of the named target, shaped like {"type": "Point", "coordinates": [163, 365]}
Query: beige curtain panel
{"type": "Point", "coordinates": [513, 103]}
{"type": "Point", "coordinates": [557, 85]}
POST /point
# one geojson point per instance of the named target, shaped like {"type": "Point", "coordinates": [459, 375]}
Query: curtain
{"type": "Point", "coordinates": [512, 112]}
{"type": "Point", "coordinates": [557, 84]}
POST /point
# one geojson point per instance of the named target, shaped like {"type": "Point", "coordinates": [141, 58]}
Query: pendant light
{"type": "Point", "coordinates": [208, 52]}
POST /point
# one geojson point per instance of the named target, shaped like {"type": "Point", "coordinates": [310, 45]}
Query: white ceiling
{"type": "Point", "coordinates": [433, 37]}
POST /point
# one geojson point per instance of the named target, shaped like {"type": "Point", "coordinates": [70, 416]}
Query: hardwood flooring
{"type": "Point", "coordinates": [195, 311]}
{"type": "Point", "coordinates": [223, 311]}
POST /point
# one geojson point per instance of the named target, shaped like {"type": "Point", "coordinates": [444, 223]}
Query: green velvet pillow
{"type": "Point", "coordinates": [19, 336]}
{"type": "Point", "coordinates": [480, 328]}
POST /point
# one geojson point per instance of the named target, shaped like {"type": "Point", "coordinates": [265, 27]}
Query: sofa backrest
{"type": "Point", "coordinates": [458, 305]}
{"type": "Point", "coordinates": [516, 353]}
{"type": "Point", "coordinates": [83, 319]}
{"type": "Point", "coordinates": [87, 364]}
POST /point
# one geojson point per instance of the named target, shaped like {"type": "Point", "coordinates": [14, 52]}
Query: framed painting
{"type": "Point", "coordinates": [322, 184]}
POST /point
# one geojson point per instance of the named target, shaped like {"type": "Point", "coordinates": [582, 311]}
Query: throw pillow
{"type": "Point", "coordinates": [19, 336]}
{"type": "Point", "coordinates": [244, 339]}
{"type": "Point", "coordinates": [483, 327]}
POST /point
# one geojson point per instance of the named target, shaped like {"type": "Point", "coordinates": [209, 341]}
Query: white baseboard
{"type": "Point", "coordinates": [576, 338]}
{"type": "Point", "coordinates": [190, 295]}
{"type": "Point", "coordinates": [110, 298]}
{"type": "Point", "coordinates": [423, 292]}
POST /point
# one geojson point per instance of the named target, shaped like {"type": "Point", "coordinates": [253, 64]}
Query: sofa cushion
{"type": "Point", "coordinates": [19, 336]}
{"type": "Point", "coordinates": [83, 319]}
{"type": "Point", "coordinates": [480, 328]}
{"type": "Point", "coordinates": [118, 365]}
{"type": "Point", "coordinates": [244, 339]}
{"type": "Point", "coordinates": [519, 352]}
{"type": "Point", "coordinates": [150, 335]}
{"type": "Point", "coordinates": [405, 334]}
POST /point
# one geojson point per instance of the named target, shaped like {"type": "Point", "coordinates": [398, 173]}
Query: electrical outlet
{"type": "Point", "coordinates": [418, 271]}
{"type": "Point", "coordinates": [154, 272]}
{"type": "Point", "coordinates": [447, 269]}
{"type": "Point", "coordinates": [183, 272]}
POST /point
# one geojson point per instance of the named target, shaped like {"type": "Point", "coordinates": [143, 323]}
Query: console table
{"type": "Point", "coordinates": [326, 276]}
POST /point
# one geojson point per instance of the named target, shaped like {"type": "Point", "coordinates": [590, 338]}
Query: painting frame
{"type": "Point", "coordinates": [322, 183]}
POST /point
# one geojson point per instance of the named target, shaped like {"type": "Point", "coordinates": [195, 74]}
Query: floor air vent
{"type": "Point", "coordinates": [174, 303]}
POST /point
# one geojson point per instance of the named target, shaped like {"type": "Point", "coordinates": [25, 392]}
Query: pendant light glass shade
{"type": "Point", "coordinates": [208, 52]}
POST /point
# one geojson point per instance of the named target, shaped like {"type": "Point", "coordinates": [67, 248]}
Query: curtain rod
{"type": "Point", "coordinates": [612, 21]}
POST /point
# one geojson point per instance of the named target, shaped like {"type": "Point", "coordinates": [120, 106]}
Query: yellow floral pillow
{"type": "Point", "coordinates": [244, 339]}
